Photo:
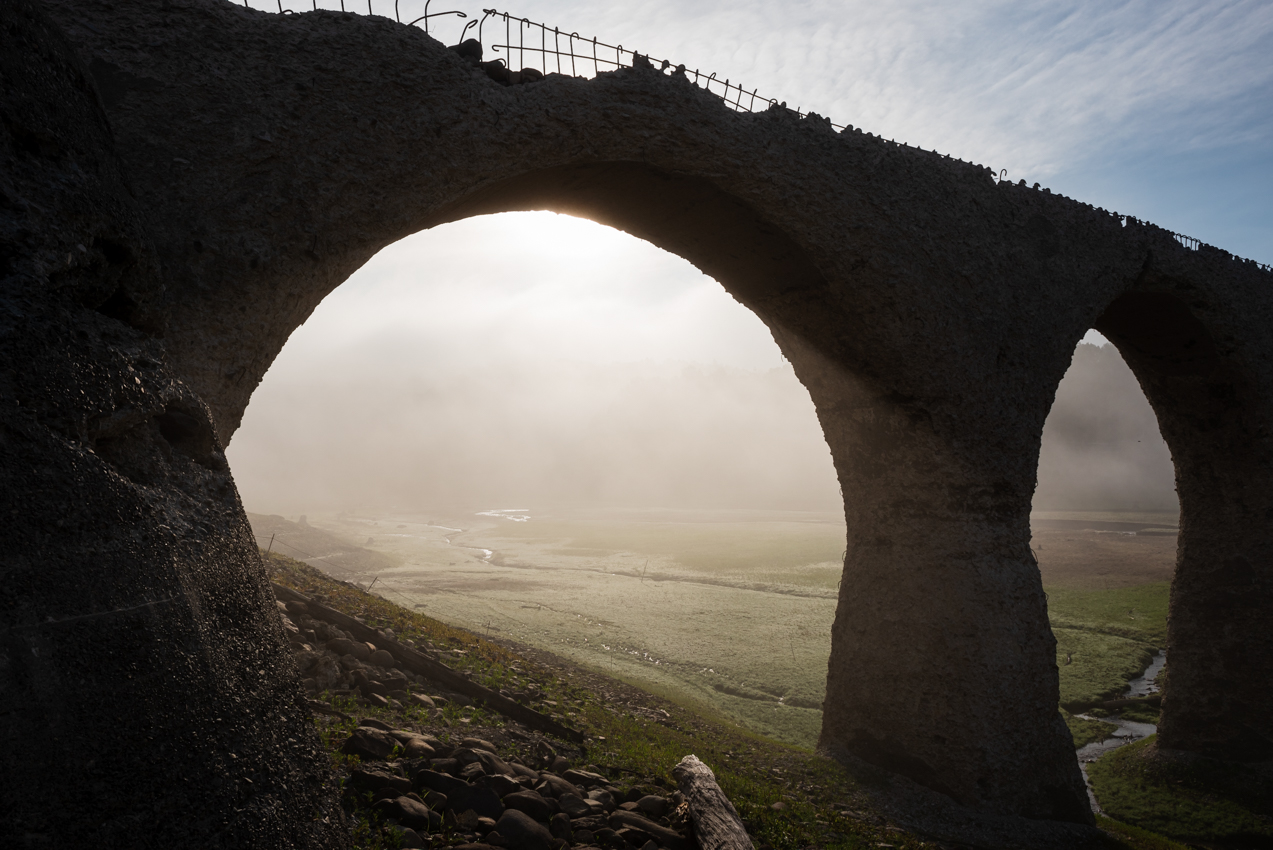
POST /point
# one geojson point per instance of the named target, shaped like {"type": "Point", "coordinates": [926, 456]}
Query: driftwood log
{"type": "Point", "coordinates": [717, 825]}
{"type": "Point", "coordinates": [419, 663]}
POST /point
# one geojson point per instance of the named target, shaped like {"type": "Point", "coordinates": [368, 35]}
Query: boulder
{"type": "Point", "coordinates": [369, 744]}
{"type": "Point", "coordinates": [345, 646]}
{"type": "Point", "coordinates": [652, 806]}
{"type": "Point", "coordinates": [555, 785]}
{"type": "Point", "coordinates": [491, 763]}
{"type": "Point", "coordinates": [559, 827]}
{"type": "Point", "coordinates": [531, 803]}
{"type": "Point", "coordinates": [325, 671]}
{"type": "Point", "coordinates": [448, 766]}
{"type": "Point", "coordinates": [520, 832]}
{"type": "Point", "coordinates": [410, 839]}
{"type": "Point", "coordinates": [405, 811]}
{"type": "Point", "coordinates": [478, 744]}
{"type": "Point", "coordinates": [577, 807]}
{"type": "Point", "coordinates": [383, 658]}
{"type": "Point", "coordinates": [501, 785]}
{"type": "Point", "coordinates": [665, 837]}
{"type": "Point", "coordinates": [584, 778]}
{"type": "Point", "coordinates": [523, 770]}
{"type": "Point", "coordinates": [440, 782]}
{"type": "Point", "coordinates": [371, 779]}
{"type": "Point", "coordinates": [604, 797]}
{"type": "Point", "coordinates": [417, 748]}
{"type": "Point", "coordinates": [484, 801]}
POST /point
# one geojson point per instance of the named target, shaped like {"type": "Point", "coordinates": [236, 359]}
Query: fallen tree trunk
{"type": "Point", "coordinates": [717, 825]}
{"type": "Point", "coordinates": [419, 663]}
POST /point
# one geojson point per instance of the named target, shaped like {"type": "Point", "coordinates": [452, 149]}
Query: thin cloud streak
{"type": "Point", "coordinates": [1029, 87]}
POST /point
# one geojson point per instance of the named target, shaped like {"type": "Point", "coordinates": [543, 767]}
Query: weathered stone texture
{"type": "Point", "coordinates": [146, 695]}
{"type": "Point", "coordinates": [930, 312]}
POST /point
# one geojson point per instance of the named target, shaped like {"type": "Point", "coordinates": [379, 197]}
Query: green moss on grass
{"type": "Point", "coordinates": [1141, 714]}
{"type": "Point", "coordinates": [1138, 613]}
{"type": "Point", "coordinates": [1086, 731]}
{"type": "Point", "coordinates": [1195, 800]}
{"type": "Point", "coordinates": [1131, 836]}
{"type": "Point", "coordinates": [1095, 666]}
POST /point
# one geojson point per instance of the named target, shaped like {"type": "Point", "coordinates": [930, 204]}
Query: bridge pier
{"type": "Point", "coordinates": [1212, 391]}
{"type": "Point", "coordinates": [943, 666]}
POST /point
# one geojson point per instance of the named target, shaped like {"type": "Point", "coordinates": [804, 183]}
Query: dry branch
{"type": "Point", "coordinates": [716, 822]}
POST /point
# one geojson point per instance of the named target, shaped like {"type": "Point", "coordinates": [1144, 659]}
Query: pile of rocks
{"type": "Point", "coordinates": [330, 659]}
{"type": "Point", "coordinates": [468, 790]}
{"type": "Point", "coordinates": [471, 51]}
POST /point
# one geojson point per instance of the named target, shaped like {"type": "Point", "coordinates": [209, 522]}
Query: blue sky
{"type": "Point", "coordinates": [1162, 110]}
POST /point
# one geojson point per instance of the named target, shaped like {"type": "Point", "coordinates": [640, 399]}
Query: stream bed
{"type": "Point", "coordinates": [1128, 731]}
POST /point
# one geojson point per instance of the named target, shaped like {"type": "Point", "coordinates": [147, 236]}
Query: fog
{"type": "Point", "coordinates": [1102, 450]}
{"type": "Point", "coordinates": [571, 365]}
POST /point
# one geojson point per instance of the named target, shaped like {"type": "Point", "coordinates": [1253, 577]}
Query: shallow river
{"type": "Point", "coordinates": [1128, 730]}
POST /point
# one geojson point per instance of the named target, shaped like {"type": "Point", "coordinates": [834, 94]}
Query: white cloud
{"type": "Point", "coordinates": [1033, 87]}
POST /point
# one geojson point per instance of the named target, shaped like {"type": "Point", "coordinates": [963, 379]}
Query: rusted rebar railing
{"type": "Point", "coordinates": [570, 53]}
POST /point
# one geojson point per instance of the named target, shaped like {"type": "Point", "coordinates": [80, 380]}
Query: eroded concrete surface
{"type": "Point", "coordinates": [259, 159]}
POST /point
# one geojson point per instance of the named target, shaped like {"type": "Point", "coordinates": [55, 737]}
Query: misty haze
{"type": "Point", "coordinates": [621, 379]}
{"type": "Point", "coordinates": [569, 438]}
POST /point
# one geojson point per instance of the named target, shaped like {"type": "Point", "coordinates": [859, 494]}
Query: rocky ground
{"type": "Point", "coordinates": [424, 766]}
{"type": "Point", "coordinates": [512, 788]}
{"type": "Point", "coordinates": [587, 764]}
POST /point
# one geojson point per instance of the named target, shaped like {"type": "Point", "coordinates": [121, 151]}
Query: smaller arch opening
{"type": "Point", "coordinates": [1104, 527]}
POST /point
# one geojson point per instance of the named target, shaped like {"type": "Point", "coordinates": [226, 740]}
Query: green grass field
{"type": "Point", "coordinates": [1194, 800]}
{"type": "Point", "coordinates": [788, 799]}
{"type": "Point", "coordinates": [729, 611]}
{"type": "Point", "coordinates": [1104, 638]}
{"type": "Point", "coordinates": [1138, 613]}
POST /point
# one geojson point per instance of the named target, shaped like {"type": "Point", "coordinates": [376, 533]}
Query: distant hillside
{"type": "Point", "coordinates": [329, 552]}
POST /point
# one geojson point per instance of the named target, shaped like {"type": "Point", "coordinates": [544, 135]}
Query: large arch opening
{"type": "Point", "coordinates": [672, 477]}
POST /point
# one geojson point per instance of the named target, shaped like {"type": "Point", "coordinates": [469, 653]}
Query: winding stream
{"type": "Point", "coordinates": [1128, 730]}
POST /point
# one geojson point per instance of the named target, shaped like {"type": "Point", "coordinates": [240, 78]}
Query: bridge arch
{"type": "Point", "coordinates": [929, 310]}
{"type": "Point", "coordinates": [1212, 413]}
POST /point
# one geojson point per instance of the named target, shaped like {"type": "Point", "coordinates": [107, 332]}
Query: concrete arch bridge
{"type": "Point", "coordinates": [238, 166]}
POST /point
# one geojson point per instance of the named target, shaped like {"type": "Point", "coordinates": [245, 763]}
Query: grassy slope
{"type": "Point", "coordinates": [1198, 801]}
{"type": "Point", "coordinates": [824, 808]}
{"type": "Point", "coordinates": [805, 553]}
{"type": "Point", "coordinates": [1105, 637]}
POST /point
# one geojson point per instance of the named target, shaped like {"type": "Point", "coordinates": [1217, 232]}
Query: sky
{"type": "Point", "coordinates": [533, 323]}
